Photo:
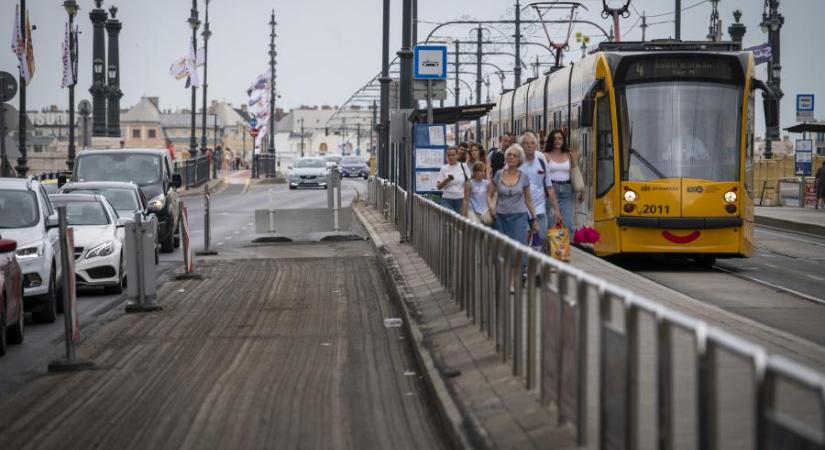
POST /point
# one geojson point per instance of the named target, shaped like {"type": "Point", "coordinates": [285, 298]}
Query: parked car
{"type": "Point", "coordinates": [98, 242]}
{"type": "Point", "coordinates": [308, 172]}
{"type": "Point", "coordinates": [332, 160]}
{"type": "Point", "coordinates": [11, 296]}
{"type": "Point", "coordinates": [354, 166]}
{"type": "Point", "coordinates": [151, 169]}
{"type": "Point", "coordinates": [27, 216]}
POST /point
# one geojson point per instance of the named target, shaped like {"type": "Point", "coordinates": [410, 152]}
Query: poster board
{"type": "Point", "coordinates": [430, 146]}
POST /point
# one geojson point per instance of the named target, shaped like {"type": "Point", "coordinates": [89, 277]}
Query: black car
{"type": "Point", "coordinates": [353, 166]}
{"type": "Point", "coordinates": [151, 169]}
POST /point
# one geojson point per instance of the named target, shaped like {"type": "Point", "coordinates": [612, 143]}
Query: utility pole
{"type": "Point", "coordinates": [479, 80]}
{"type": "Point", "coordinates": [772, 23]}
{"type": "Point", "coordinates": [457, 86]}
{"type": "Point", "coordinates": [644, 25]}
{"type": "Point", "coordinates": [517, 63]}
{"type": "Point", "coordinates": [194, 23]}
{"type": "Point", "coordinates": [372, 128]}
{"type": "Point", "coordinates": [206, 35]}
{"type": "Point", "coordinates": [302, 137]}
{"type": "Point", "coordinates": [385, 80]}
{"type": "Point", "coordinates": [272, 55]}
{"type": "Point", "coordinates": [678, 21]}
{"type": "Point", "coordinates": [113, 27]}
{"type": "Point", "coordinates": [358, 135]}
{"type": "Point", "coordinates": [405, 55]}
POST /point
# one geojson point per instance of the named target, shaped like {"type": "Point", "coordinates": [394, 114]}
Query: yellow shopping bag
{"type": "Point", "coordinates": [559, 240]}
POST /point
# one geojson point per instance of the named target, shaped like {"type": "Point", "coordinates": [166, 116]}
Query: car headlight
{"type": "Point", "coordinates": [30, 252]}
{"type": "Point", "coordinates": [629, 196]}
{"type": "Point", "coordinates": [104, 249]}
{"type": "Point", "coordinates": [730, 197]}
{"type": "Point", "coordinates": [157, 203]}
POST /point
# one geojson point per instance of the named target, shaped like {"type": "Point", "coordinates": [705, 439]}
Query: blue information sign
{"type": "Point", "coordinates": [253, 122]}
{"type": "Point", "coordinates": [429, 62]}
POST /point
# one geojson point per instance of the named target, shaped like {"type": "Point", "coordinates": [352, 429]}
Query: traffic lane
{"type": "Point", "coordinates": [44, 343]}
{"type": "Point", "coordinates": [232, 211]}
{"type": "Point", "coordinates": [785, 261]}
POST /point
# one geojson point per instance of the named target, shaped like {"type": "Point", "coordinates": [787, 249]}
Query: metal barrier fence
{"type": "Point", "coordinates": [660, 378]}
{"type": "Point", "coordinates": [265, 166]}
{"type": "Point", "coordinates": [193, 171]}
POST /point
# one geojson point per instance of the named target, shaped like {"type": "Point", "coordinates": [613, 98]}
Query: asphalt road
{"type": "Point", "coordinates": [232, 222]}
{"type": "Point", "coordinates": [782, 285]}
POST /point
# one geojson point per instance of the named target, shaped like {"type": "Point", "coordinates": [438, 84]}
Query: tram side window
{"type": "Point", "coordinates": [604, 148]}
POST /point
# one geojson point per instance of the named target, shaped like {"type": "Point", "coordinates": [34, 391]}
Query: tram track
{"type": "Point", "coordinates": [781, 286]}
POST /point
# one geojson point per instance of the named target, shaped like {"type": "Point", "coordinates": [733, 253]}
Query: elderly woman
{"type": "Point", "coordinates": [514, 207]}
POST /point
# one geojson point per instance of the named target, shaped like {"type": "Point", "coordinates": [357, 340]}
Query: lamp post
{"type": "Point", "coordinates": [113, 27]}
{"type": "Point", "coordinates": [302, 137]}
{"type": "Point", "coordinates": [85, 108]}
{"type": "Point", "coordinates": [98, 88]}
{"type": "Point", "coordinates": [206, 35]}
{"type": "Point", "coordinates": [772, 23]}
{"type": "Point", "coordinates": [194, 23]}
{"type": "Point", "coordinates": [272, 63]}
{"type": "Point", "coordinates": [71, 9]}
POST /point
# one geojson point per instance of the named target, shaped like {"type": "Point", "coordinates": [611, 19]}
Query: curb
{"type": "Point", "coordinates": [791, 225]}
{"type": "Point", "coordinates": [213, 186]}
{"type": "Point", "coordinates": [464, 430]}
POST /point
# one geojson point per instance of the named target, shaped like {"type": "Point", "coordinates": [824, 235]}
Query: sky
{"type": "Point", "coordinates": [329, 48]}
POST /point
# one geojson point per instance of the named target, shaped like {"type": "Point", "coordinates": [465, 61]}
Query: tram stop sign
{"type": "Point", "coordinates": [253, 132]}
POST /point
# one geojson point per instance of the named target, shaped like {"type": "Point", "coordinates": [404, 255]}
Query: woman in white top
{"type": "Point", "coordinates": [450, 181]}
{"type": "Point", "coordinates": [560, 159]}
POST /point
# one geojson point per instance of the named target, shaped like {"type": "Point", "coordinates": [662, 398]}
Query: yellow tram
{"type": "Point", "coordinates": [665, 134]}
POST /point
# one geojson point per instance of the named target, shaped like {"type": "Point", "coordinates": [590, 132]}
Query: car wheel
{"type": "Point", "coordinates": [48, 307]}
{"type": "Point", "coordinates": [3, 331]}
{"type": "Point", "coordinates": [292, 188]}
{"type": "Point", "coordinates": [365, 176]}
{"type": "Point", "coordinates": [117, 288]}
{"type": "Point", "coordinates": [167, 245]}
{"type": "Point", "coordinates": [176, 236]}
{"type": "Point", "coordinates": [16, 331]}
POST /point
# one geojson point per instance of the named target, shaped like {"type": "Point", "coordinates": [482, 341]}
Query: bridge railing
{"type": "Point", "coordinates": [655, 377]}
{"type": "Point", "coordinates": [193, 171]}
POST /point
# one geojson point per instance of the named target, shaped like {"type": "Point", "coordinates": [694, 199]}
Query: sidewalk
{"type": "Point", "coordinates": [265, 352]}
{"type": "Point", "coordinates": [803, 220]}
{"type": "Point", "coordinates": [487, 406]}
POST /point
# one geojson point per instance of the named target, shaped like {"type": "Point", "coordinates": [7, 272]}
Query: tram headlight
{"type": "Point", "coordinates": [730, 197]}
{"type": "Point", "coordinates": [629, 196]}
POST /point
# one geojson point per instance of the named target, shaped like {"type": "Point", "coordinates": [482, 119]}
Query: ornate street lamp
{"type": "Point", "coordinates": [71, 9]}
{"type": "Point", "coordinates": [194, 23]}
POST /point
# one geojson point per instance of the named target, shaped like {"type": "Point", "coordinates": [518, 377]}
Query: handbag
{"type": "Point", "coordinates": [576, 179]}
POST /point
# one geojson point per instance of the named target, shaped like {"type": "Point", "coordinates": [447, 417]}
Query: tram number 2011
{"type": "Point", "coordinates": [655, 209]}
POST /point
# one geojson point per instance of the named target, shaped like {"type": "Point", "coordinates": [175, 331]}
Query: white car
{"type": "Point", "coordinates": [98, 240]}
{"type": "Point", "coordinates": [308, 172]}
{"type": "Point", "coordinates": [27, 216]}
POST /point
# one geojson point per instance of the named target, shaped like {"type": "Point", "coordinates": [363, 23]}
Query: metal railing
{"type": "Point", "coordinates": [661, 379]}
{"type": "Point", "coordinates": [193, 171]}
{"type": "Point", "coordinates": [265, 166]}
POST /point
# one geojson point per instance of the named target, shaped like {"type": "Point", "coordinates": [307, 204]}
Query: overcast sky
{"type": "Point", "coordinates": [329, 48]}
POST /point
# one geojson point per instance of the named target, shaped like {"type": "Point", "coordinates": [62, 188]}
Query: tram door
{"type": "Point", "coordinates": [605, 206]}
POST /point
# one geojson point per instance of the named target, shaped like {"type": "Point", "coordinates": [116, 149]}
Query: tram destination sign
{"type": "Point", "coordinates": [677, 67]}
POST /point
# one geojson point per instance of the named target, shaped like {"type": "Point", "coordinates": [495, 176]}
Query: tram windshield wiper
{"type": "Point", "coordinates": [646, 163]}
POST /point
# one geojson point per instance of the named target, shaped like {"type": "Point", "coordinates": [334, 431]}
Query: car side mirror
{"type": "Point", "coordinates": [52, 222]}
{"type": "Point", "coordinates": [588, 107]}
{"type": "Point", "coordinates": [122, 221]}
{"type": "Point", "coordinates": [8, 246]}
{"type": "Point", "coordinates": [61, 180]}
{"type": "Point", "coordinates": [177, 181]}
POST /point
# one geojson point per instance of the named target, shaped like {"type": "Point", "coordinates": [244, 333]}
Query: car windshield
{"type": "Point", "coordinates": [351, 160]}
{"type": "Point", "coordinates": [18, 209]}
{"type": "Point", "coordinates": [306, 163]}
{"type": "Point", "coordinates": [83, 213]}
{"type": "Point", "coordinates": [680, 129]}
{"type": "Point", "coordinates": [120, 199]}
{"type": "Point", "coordinates": [138, 168]}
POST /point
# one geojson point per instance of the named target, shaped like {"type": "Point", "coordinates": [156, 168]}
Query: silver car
{"type": "Point", "coordinates": [308, 172]}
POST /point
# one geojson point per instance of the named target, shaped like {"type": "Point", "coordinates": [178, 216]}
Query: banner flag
{"type": "Point", "coordinates": [761, 53]}
{"type": "Point", "coordinates": [28, 66]}
{"type": "Point", "coordinates": [68, 70]}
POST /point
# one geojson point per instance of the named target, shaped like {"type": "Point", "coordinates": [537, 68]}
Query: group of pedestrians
{"type": "Point", "coordinates": [520, 190]}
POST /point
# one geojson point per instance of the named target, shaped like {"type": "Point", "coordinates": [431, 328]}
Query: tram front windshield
{"type": "Point", "coordinates": [680, 129]}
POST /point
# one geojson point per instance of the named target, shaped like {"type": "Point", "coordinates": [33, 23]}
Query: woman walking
{"type": "Point", "coordinates": [514, 207]}
{"type": "Point", "coordinates": [475, 193]}
{"type": "Point", "coordinates": [560, 160]}
{"type": "Point", "coordinates": [451, 179]}
{"type": "Point", "coordinates": [476, 154]}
